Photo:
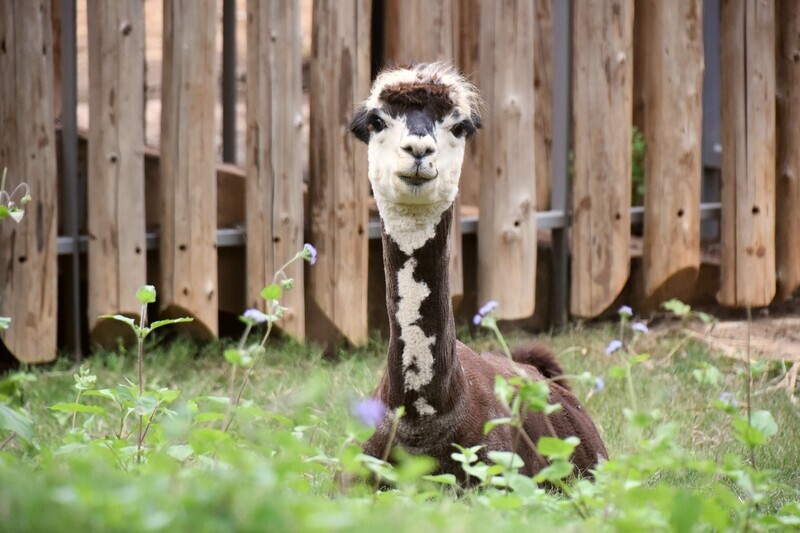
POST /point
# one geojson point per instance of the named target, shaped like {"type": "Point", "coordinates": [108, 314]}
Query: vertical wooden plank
{"type": "Point", "coordinates": [748, 153]}
{"type": "Point", "coordinates": [507, 228]}
{"type": "Point", "coordinates": [672, 79]}
{"type": "Point", "coordinates": [466, 49]}
{"type": "Point", "coordinates": [28, 269]}
{"type": "Point", "coordinates": [338, 188]}
{"type": "Point", "coordinates": [788, 147]}
{"type": "Point", "coordinates": [274, 164]}
{"type": "Point", "coordinates": [55, 17]}
{"type": "Point", "coordinates": [543, 100]}
{"type": "Point", "coordinates": [115, 185]}
{"type": "Point", "coordinates": [188, 157]}
{"type": "Point", "coordinates": [602, 113]}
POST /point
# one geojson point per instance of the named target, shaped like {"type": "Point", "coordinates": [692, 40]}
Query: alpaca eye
{"type": "Point", "coordinates": [459, 130]}
{"type": "Point", "coordinates": [376, 123]}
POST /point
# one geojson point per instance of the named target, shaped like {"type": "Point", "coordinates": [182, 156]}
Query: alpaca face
{"type": "Point", "coordinates": [416, 122]}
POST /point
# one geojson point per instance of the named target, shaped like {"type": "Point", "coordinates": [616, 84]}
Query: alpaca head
{"type": "Point", "coordinates": [416, 122]}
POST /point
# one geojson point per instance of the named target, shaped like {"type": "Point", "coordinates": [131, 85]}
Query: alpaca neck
{"type": "Point", "coordinates": [416, 257]}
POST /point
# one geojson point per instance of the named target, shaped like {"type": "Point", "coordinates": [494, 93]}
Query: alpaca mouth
{"type": "Point", "coordinates": [417, 179]}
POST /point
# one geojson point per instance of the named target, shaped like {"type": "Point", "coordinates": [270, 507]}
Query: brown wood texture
{"type": "Point", "coordinates": [422, 31]}
{"type": "Point", "coordinates": [507, 228]}
{"type": "Point", "coordinates": [748, 153]}
{"type": "Point", "coordinates": [787, 227]}
{"type": "Point", "coordinates": [543, 100]}
{"type": "Point", "coordinates": [338, 187]}
{"type": "Point", "coordinates": [602, 113]}
{"type": "Point", "coordinates": [115, 184]}
{"type": "Point", "coordinates": [672, 65]}
{"type": "Point", "coordinates": [188, 179]}
{"type": "Point", "coordinates": [274, 163]}
{"type": "Point", "coordinates": [28, 269]}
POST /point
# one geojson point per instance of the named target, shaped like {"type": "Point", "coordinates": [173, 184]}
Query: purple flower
{"type": "Point", "coordinates": [370, 411]}
{"type": "Point", "coordinates": [613, 346]}
{"type": "Point", "coordinates": [255, 316]}
{"type": "Point", "coordinates": [625, 311]}
{"type": "Point", "coordinates": [640, 327]}
{"type": "Point", "coordinates": [728, 399]}
{"type": "Point", "coordinates": [309, 253]}
{"type": "Point", "coordinates": [487, 308]}
{"type": "Point", "coordinates": [599, 385]}
{"type": "Point", "coordinates": [477, 319]}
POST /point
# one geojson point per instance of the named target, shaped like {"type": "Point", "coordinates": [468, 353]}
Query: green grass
{"type": "Point", "coordinates": [270, 482]}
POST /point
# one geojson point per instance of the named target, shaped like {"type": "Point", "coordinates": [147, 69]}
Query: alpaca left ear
{"type": "Point", "coordinates": [358, 126]}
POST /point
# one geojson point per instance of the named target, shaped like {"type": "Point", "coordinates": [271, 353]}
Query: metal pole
{"type": "Point", "coordinates": [229, 81]}
{"type": "Point", "coordinates": [562, 93]}
{"type": "Point", "coordinates": [69, 150]}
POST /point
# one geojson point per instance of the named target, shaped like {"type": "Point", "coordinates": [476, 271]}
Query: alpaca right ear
{"type": "Point", "coordinates": [359, 124]}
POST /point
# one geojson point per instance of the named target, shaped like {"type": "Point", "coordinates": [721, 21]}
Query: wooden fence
{"type": "Point", "coordinates": [632, 62]}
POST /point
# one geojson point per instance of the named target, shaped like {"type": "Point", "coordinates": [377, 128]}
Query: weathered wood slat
{"type": "Point", "coordinates": [338, 188]}
{"type": "Point", "coordinates": [28, 269]}
{"type": "Point", "coordinates": [788, 148]}
{"type": "Point", "coordinates": [748, 153]}
{"type": "Point", "coordinates": [672, 79]}
{"type": "Point", "coordinates": [274, 163]}
{"type": "Point", "coordinates": [188, 180]}
{"type": "Point", "coordinates": [507, 228]}
{"type": "Point", "coordinates": [543, 100]}
{"type": "Point", "coordinates": [602, 112]}
{"type": "Point", "coordinates": [419, 31]}
{"type": "Point", "coordinates": [115, 185]}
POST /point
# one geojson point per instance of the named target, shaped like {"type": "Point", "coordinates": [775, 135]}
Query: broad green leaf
{"type": "Point", "coordinates": [747, 434]}
{"type": "Point", "coordinates": [121, 318]}
{"type": "Point", "coordinates": [146, 294]}
{"type": "Point", "coordinates": [168, 322]}
{"type": "Point", "coordinates": [272, 292]}
{"type": "Point", "coordinates": [491, 424]}
{"type": "Point", "coordinates": [78, 408]}
{"type": "Point", "coordinates": [167, 396]}
{"type": "Point", "coordinates": [180, 452]}
{"type": "Point", "coordinates": [554, 448]}
{"type": "Point", "coordinates": [636, 359]}
{"type": "Point", "coordinates": [616, 372]}
{"type": "Point", "coordinates": [5, 323]}
{"type": "Point", "coordinates": [20, 424]}
{"type": "Point", "coordinates": [677, 307]}
{"type": "Point", "coordinates": [444, 479]}
{"type": "Point", "coordinates": [208, 417]}
{"type": "Point", "coordinates": [506, 459]}
{"type": "Point", "coordinates": [16, 214]}
{"type": "Point", "coordinates": [506, 502]}
{"type": "Point", "coordinates": [556, 470]}
{"type": "Point", "coordinates": [764, 422]}
{"type": "Point", "coordinates": [233, 356]}
{"type": "Point", "coordinates": [4, 212]}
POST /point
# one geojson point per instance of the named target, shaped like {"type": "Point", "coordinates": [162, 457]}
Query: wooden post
{"type": "Point", "coordinates": [466, 44]}
{"type": "Point", "coordinates": [507, 229]}
{"type": "Point", "coordinates": [543, 100]}
{"type": "Point", "coordinates": [275, 164]}
{"type": "Point", "coordinates": [27, 149]}
{"type": "Point", "coordinates": [672, 78]}
{"type": "Point", "coordinates": [602, 112]}
{"type": "Point", "coordinates": [338, 188]}
{"type": "Point", "coordinates": [422, 31]}
{"type": "Point", "coordinates": [188, 157]}
{"type": "Point", "coordinates": [788, 145]}
{"type": "Point", "coordinates": [748, 153]}
{"type": "Point", "coordinates": [115, 185]}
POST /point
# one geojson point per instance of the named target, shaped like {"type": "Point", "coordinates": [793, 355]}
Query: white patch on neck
{"type": "Point", "coordinates": [411, 226]}
{"type": "Point", "coordinates": [418, 346]}
{"type": "Point", "coordinates": [423, 407]}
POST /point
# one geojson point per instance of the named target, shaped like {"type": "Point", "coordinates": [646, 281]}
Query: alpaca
{"type": "Point", "coordinates": [416, 122]}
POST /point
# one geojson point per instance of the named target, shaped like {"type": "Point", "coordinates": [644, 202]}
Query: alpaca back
{"type": "Point", "coordinates": [543, 359]}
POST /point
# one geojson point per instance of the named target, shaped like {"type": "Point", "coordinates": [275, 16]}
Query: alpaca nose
{"type": "Point", "coordinates": [419, 147]}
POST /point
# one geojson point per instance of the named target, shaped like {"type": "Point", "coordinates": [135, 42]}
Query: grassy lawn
{"type": "Point", "coordinates": [275, 473]}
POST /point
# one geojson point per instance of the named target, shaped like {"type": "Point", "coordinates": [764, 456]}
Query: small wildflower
{"type": "Point", "coordinates": [640, 327]}
{"type": "Point", "coordinates": [487, 308]}
{"type": "Point", "coordinates": [599, 385]}
{"type": "Point", "coordinates": [255, 316]}
{"type": "Point", "coordinates": [625, 311]}
{"type": "Point", "coordinates": [287, 284]}
{"type": "Point", "coordinates": [728, 399]}
{"type": "Point", "coordinates": [477, 319]}
{"type": "Point", "coordinates": [370, 411]}
{"type": "Point", "coordinates": [613, 346]}
{"type": "Point", "coordinates": [309, 253]}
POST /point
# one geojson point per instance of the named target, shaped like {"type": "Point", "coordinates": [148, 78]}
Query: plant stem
{"type": "Point", "coordinates": [500, 339]}
{"type": "Point", "coordinates": [140, 339]}
{"type": "Point", "coordinates": [629, 381]}
{"type": "Point", "coordinates": [8, 439]}
{"type": "Point", "coordinates": [75, 413]}
{"type": "Point", "coordinates": [388, 449]}
{"type": "Point", "coordinates": [750, 384]}
{"type": "Point", "coordinates": [232, 384]}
